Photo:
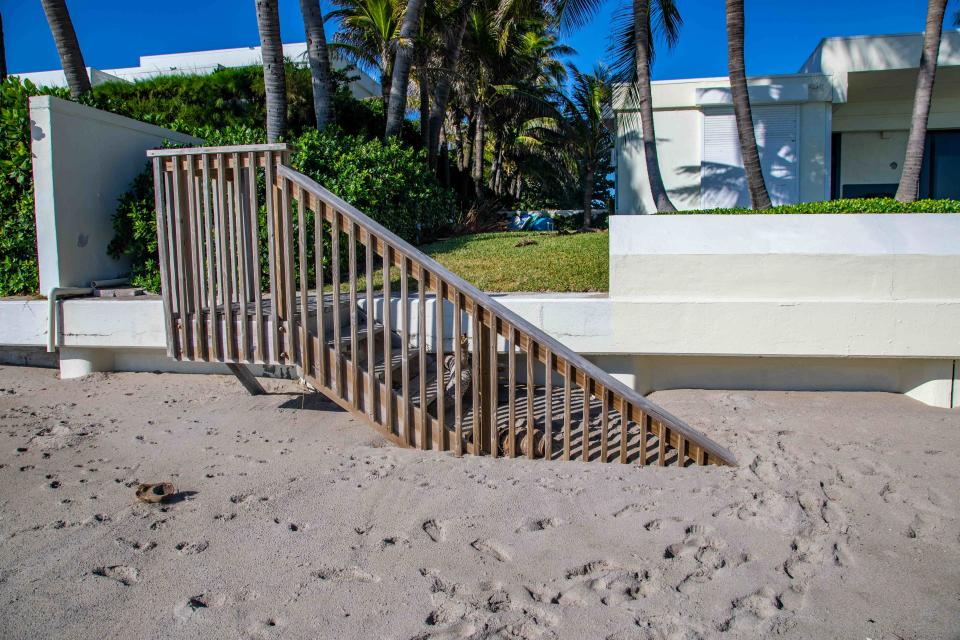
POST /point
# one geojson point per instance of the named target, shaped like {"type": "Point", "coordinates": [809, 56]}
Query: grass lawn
{"type": "Point", "coordinates": [494, 262]}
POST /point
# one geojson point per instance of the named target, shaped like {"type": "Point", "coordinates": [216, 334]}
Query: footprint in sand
{"type": "Point", "coordinates": [119, 572]}
{"type": "Point", "coordinates": [492, 549]}
{"type": "Point", "coordinates": [348, 574]}
{"type": "Point", "coordinates": [434, 530]}
{"type": "Point", "coordinates": [540, 525]}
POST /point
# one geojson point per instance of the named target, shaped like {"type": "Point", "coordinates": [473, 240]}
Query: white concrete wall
{"type": "Point", "coordinates": [84, 159]}
{"type": "Point", "coordinates": [679, 118]}
{"type": "Point", "coordinates": [199, 63]}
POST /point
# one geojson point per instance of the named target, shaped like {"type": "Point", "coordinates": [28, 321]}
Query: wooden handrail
{"type": "Point", "coordinates": [211, 234]}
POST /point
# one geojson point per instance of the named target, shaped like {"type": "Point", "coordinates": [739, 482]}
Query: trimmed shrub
{"type": "Point", "coordinates": [848, 205]}
{"type": "Point", "coordinates": [388, 181]}
{"type": "Point", "coordinates": [18, 232]}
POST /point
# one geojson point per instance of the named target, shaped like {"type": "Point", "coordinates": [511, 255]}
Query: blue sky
{"type": "Point", "coordinates": [780, 35]}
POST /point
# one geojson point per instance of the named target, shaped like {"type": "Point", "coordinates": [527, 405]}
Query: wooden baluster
{"type": "Point", "coordinates": [548, 406]}
{"type": "Point", "coordinates": [289, 275]}
{"type": "Point", "coordinates": [254, 213]}
{"type": "Point", "coordinates": [276, 295]}
{"type": "Point", "coordinates": [664, 441]}
{"type": "Point", "coordinates": [511, 448]}
{"type": "Point", "coordinates": [604, 424]}
{"type": "Point", "coordinates": [439, 350]}
{"type": "Point", "coordinates": [422, 343]}
{"type": "Point", "coordinates": [182, 247]}
{"type": "Point", "coordinates": [624, 420]}
{"type": "Point", "coordinates": [457, 372]}
{"type": "Point", "coordinates": [490, 423]}
{"type": "Point", "coordinates": [681, 450]}
{"type": "Point", "coordinates": [335, 279]}
{"type": "Point", "coordinates": [475, 357]}
{"type": "Point", "coordinates": [318, 218]}
{"type": "Point", "coordinates": [405, 351]}
{"type": "Point", "coordinates": [240, 232]}
{"type": "Point", "coordinates": [223, 260]}
{"type": "Point", "coordinates": [531, 395]}
{"type": "Point", "coordinates": [164, 255]}
{"type": "Point", "coordinates": [567, 393]}
{"type": "Point", "coordinates": [371, 397]}
{"type": "Point", "coordinates": [389, 419]}
{"type": "Point", "coordinates": [586, 418]}
{"type": "Point", "coordinates": [231, 235]}
{"type": "Point", "coordinates": [306, 360]}
{"type": "Point", "coordinates": [209, 226]}
{"type": "Point", "coordinates": [196, 260]}
{"type": "Point", "coordinates": [701, 456]}
{"type": "Point", "coordinates": [354, 370]}
{"type": "Point", "coordinates": [645, 424]}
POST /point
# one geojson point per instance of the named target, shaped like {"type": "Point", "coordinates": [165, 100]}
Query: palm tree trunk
{"type": "Point", "coordinates": [397, 106]}
{"type": "Point", "coordinates": [759, 198]}
{"type": "Point", "coordinates": [641, 26]}
{"type": "Point", "coordinates": [274, 82]}
{"type": "Point", "coordinates": [451, 56]}
{"type": "Point", "coordinates": [588, 198]}
{"type": "Point", "coordinates": [319, 59]}
{"type": "Point", "coordinates": [71, 58]}
{"type": "Point", "coordinates": [423, 79]}
{"type": "Point", "coordinates": [913, 160]}
{"type": "Point", "coordinates": [386, 75]}
{"type": "Point", "coordinates": [3, 54]}
{"type": "Point", "coordinates": [476, 170]}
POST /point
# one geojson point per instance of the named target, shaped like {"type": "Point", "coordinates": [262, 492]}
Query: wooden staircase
{"type": "Point", "coordinates": [262, 265]}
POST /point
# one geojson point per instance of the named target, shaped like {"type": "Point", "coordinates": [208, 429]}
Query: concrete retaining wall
{"type": "Point", "coordinates": [84, 159]}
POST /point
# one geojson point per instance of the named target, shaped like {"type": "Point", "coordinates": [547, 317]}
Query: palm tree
{"type": "Point", "coordinates": [319, 59]}
{"type": "Point", "coordinates": [633, 54]}
{"type": "Point", "coordinates": [367, 29]}
{"type": "Point", "coordinates": [3, 54]}
{"type": "Point", "coordinates": [450, 57]}
{"type": "Point", "coordinates": [71, 58]}
{"type": "Point", "coordinates": [274, 81]}
{"type": "Point", "coordinates": [588, 137]}
{"type": "Point", "coordinates": [403, 58]}
{"type": "Point", "coordinates": [913, 160]}
{"type": "Point", "coordinates": [759, 198]}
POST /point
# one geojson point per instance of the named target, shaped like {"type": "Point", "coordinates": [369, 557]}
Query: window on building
{"type": "Point", "coordinates": [722, 179]}
{"type": "Point", "coordinates": [940, 176]}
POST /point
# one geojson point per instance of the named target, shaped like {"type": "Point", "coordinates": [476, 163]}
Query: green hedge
{"type": "Point", "coordinates": [848, 205]}
{"type": "Point", "coordinates": [18, 233]}
{"type": "Point", "coordinates": [388, 181]}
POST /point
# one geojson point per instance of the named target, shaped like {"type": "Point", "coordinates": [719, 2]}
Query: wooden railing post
{"type": "Point", "coordinates": [481, 351]}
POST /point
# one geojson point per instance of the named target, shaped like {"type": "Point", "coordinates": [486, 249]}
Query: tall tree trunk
{"type": "Point", "coordinates": [386, 75]}
{"type": "Point", "coordinates": [451, 55]}
{"type": "Point", "coordinates": [423, 79]}
{"type": "Point", "coordinates": [319, 59]}
{"type": "Point", "coordinates": [759, 198]}
{"type": "Point", "coordinates": [397, 106]}
{"type": "Point", "coordinates": [274, 82]}
{"type": "Point", "coordinates": [466, 147]}
{"type": "Point", "coordinates": [3, 54]}
{"type": "Point", "coordinates": [913, 160]}
{"type": "Point", "coordinates": [641, 27]}
{"type": "Point", "coordinates": [71, 58]}
{"type": "Point", "coordinates": [588, 198]}
{"type": "Point", "coordinates": [476, 170]}
{"type": "Point", "coordinates": [497, 165]}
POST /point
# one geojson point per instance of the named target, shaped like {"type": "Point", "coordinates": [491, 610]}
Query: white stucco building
{"type": "Point", "coordinates": [198, 63]}
{"type": "Point", "coordinates": [836, 128]}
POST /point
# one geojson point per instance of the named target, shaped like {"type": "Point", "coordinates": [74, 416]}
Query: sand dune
{"type": "Point", "coordinates": [296, 521]}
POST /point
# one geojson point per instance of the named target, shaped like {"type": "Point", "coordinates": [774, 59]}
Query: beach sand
{"type": "Point", "coordinates": [295, 520]}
